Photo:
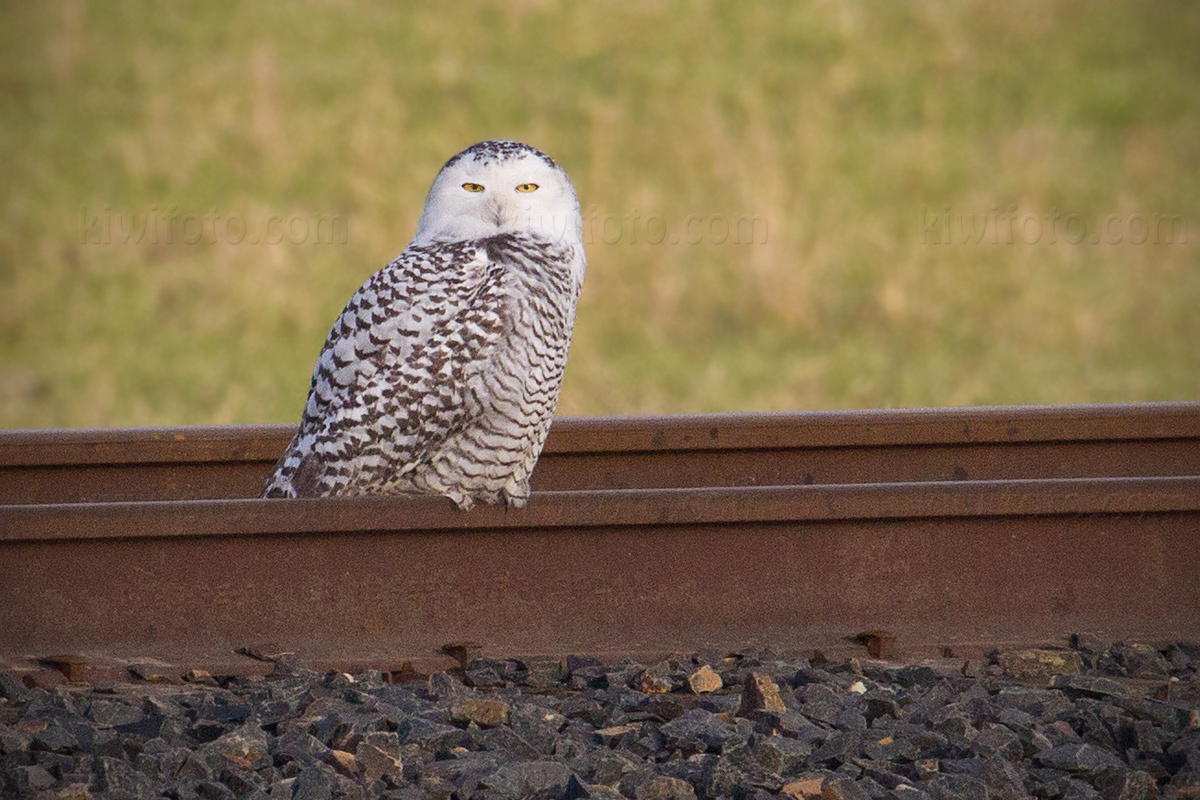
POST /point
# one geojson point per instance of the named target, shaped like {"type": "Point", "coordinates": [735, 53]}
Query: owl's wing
{"type": "Point", "coordinates": [396, 375]}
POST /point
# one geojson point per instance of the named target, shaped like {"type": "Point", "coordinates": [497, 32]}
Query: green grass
{"type": "Point", "coordinates": [832, 124]}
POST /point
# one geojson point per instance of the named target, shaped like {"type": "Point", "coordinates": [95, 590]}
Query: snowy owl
{"type": "Point", "coordinates": [442, 373]}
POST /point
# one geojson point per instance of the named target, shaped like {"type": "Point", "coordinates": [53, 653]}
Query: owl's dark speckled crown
{"type": "Point", "coordinates": [499, 150]}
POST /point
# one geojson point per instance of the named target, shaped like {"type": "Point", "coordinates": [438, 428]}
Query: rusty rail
{"type": "Point", "coordinates": [648, 535]}
{"type": "Point", "coordinates": [654, 452]}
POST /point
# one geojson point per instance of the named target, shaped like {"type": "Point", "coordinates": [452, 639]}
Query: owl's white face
{"type": "Point", "coordinates": [499, 187]}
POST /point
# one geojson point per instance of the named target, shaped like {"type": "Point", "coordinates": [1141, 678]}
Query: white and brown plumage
{"type": "Point", "coordinates": [443, 371]}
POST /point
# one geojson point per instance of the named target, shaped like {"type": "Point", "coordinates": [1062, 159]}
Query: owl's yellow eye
{"type": "Point", "coordinates": [473, 187]}
{"type": "Point", "coordinates": [527, 187]}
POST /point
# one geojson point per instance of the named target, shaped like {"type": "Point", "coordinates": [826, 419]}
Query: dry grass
{"type": "Point", "coordinates": [841, 127]}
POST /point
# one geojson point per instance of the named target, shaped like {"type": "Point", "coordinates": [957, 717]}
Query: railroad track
{"type": "Point", "coordinates": [954, 528]}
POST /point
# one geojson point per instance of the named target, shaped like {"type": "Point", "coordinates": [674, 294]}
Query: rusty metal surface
{"type": "Point", "coordinates": [212, 519]}
{"type": "Point", "coordinates": [948, 527]}
{"type": "Point", "coordinates": [1159, 439]}
{"type": "Point", "coordinates": [937, 564]}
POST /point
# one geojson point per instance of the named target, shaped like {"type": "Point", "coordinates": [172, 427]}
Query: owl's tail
{"type": "Point", "coordinates": [280, 484]}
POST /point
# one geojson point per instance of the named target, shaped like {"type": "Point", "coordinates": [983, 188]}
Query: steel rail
{"type": "Point", "coordinates": [964, 564]}
{"type": "Point", "coordinates": [1158, 439]}
{"type": "Point", "coordinates": [601, 508]}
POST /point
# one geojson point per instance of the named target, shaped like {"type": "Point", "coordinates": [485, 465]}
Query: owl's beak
{"type": "Point", "coordinates": [499, 212]}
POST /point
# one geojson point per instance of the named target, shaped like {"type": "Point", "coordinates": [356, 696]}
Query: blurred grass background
{"type": "Point", "coordinates": [843, 127]}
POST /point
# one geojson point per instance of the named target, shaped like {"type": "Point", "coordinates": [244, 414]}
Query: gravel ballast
{"type": "Point", "coordinates": [1098, 720]}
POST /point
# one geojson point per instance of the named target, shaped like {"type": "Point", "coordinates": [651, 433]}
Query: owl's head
{"type": "Point", "coordinates": [497, 187]}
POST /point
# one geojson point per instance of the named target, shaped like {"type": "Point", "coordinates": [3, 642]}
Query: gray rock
{"type": "Point", "coordinates": [160, 705]}
{"type": "Point", "coordinates": [193, 767]}
{"type": "Point", "coordinates": [727, 778]}
{"type": "Point", "coordinates": [435, 788]}
{"type": "Point", "coordinates": [843, 789]}
{"type": "Point", "coordinates": [745, 768]}
{"type": "Point", "coordinates": [1089, 645]}
{"type": "Point", "coordinates": [289, 666]}
{"type": "Point", "coordinates": [431, 735]}
{"type": "Point", "coordinates": [1002, 779]}
{"type": "Point", "coordinates": [661, 787]}
{"type": "Point", "coordinates": [656, 679]}
{"type": "Point", "coordinates": [885, 773]}
{"type": "Point", "coordinates": [110, 713]}
{"type": "Point", "coordinates": [664, 707]}
{"type": "Point", "coordinates": [609, 768]}
{"type": "Point", "coordinates": [649, 743]}
{"type": "Point", "coordinates": [1033, 741]}
{"type": "Point", "coordinates": [890, 748]}
{"type": "Point", "coordinates": [315, 782]}
{"type": "Point", "coordinates": [13, 688]}
{"type": "Point", "coordinates": [225, 709]}
{"type": "Point", "coordinates": [486, 673]}
{"type": "Point", "coordinates": [781, 755]}
{"type": "Point", "coordinates": [917, 676]}
{"type": "Point", "coordinates": [544, 673]}
{"type": "Point", "coordinates": [819, 703]}
{"type": "Point", "coordinates": [928, 699]}
{"type": "Point", "coordinates": [1041, 704]}
{"type": "Point", "coordinates": [1140, 661]}
{"type": "Point", "coordinates": [957, 787]}
{"type": "Point", "coordinates": [906, 792]}
{"type": "Point", "coordinates": [586, 708]}
{"type": "Point", "coordinates": [589, 678]}
{"type": "Point", "coordinates": [55, 738]}
{"type": "Point", "coordinates": [442, 686]}
{"type": "Point", "coordinates": [377, 763]}
{"type": "Point", "coordinates": [28, 780]}
{"type": "Point", "coordinates": [536, 725]}
{"type": "Point", "coordinates": [876, 705]}
{"type": "Point", "coordinates": [722, 704]}
{"type": "Point", "coordinates": [1117, 783]}
{"type": "Point", "coordinates": [939, 736]}
{"type": "Point", "coordinates": [461, 765]}
{"type": "Point", "coordinates": [840, 747]}
{"type": "Point", "coordinates": [529, 778]}
{"type": "Point", "coordinates": [508, 741]}
{"type": "Point", "coordinates": [212, 790]}
{"type": "Point", "coordinates": [697, 731]}
{"type": "Point", "coordinates": [1090, 686]}
{"type": "Point", "coordinates": [297, 745]}
{"type": "Point", "coordinates": [1079, 757]}
{"type": "Point", "coordinates": [397, 697]}
{"type": "Point", "coordinates": [116, 778]}
{"type": "Point", "coordinates": [205, 730]}
{"type": "Point", "coordinates": [575, 663]}
{"type": "Point", "coordinates": [1173, 720]}
{"type": "Point", "coordinates": [1183, 656]}
{"type": "Point", "coordinates": [593, 791]}
{"type": "Point", "coordinates": [791, 724]}
{"type": "Point", "coordinates": [1078, 790]}
{"type": "Point", "coordinates": [693, 770]}
{"type": "Point", "coordinates": [623, 676]}
{"type": "Point", "coordinates": [1001, 740]}
{"type": "Point", "coordinates": [148, 727]}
